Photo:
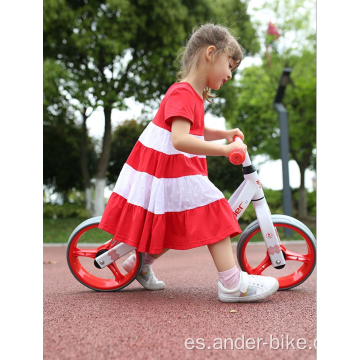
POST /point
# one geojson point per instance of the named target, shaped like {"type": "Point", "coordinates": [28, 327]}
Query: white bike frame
{"type": "Point", "coordinates": [250, 190]}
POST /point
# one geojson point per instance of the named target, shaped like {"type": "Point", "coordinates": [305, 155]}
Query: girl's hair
{"type": "Point", "coordinates": [201, 38]}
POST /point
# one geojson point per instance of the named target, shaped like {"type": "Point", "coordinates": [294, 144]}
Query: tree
{"type": "Point", "coordinates": [254, 113]}
{"type": "Point", "coordinates": [258, 120]}
{"type": "Point", "coordinates": [61, 159]}
{"type": "Point", "coordinates": [120, 48]}
{"type": "Point", "coordinates": [62, 137]}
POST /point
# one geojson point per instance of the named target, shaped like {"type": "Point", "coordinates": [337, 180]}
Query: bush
{"type": "Point", "coordinates": [68, 210]}
{"type": "Point", "coordinates": [310, 201]}
{"type": "Point", "coordinates": [274, 200]}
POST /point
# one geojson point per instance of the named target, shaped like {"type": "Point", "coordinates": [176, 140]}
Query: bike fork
{"type": "Point", "coordinates": [251, 191]}
{"type": "Point", "coordinates": [269, 233]}
{"type": "Point", "coordinates": [113, 254]}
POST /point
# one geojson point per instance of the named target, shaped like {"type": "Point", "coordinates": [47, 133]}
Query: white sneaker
{"type": "Point", "coordinates": [146, 276]}
{"type": "Point", "coordinates": [249, 288]}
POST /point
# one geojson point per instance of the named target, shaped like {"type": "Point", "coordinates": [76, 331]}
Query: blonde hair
{"type": "Point", "coordinates": [201, 38]}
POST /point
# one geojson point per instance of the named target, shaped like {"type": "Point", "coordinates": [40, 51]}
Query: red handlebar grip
{"type": "Point", "coordinates": [236, 136]}
{"type": "Point", "coordinates": [237, 156]}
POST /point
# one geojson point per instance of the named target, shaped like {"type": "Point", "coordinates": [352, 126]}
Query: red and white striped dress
{"type": "Point", "coordinates": [163, 197]}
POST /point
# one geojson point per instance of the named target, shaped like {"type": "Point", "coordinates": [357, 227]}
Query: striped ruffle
{"type": "Point", "coordinates": [184, 230]}
{"type": "Point", "coordinates": [159, 139]}
{"type": "Point", "coordinates": [162, 165]}
{"type": "Point", "coordinates": [165, 194]}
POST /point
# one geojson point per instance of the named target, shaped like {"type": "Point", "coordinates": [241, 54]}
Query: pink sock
{"type": "Point", "coordinates": [148, 259]}
{"type": "Point", "coordinates": [230, 278]}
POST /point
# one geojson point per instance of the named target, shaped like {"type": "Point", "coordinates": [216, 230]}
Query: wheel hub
{"type": "Point", "coordinates": [281, 266]}
{"type": "Point", "coordinates": [98, 254]}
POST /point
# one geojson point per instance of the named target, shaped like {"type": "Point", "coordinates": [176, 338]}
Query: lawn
{"type": "Point", "coordinates": [59, 231]}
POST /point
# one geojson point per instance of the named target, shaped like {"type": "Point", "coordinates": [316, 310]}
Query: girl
{"type": "Point", "coordinates": [163, 198]}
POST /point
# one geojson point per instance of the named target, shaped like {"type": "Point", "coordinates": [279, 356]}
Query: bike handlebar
{"type": "Point", "coordinates": [237, 156]}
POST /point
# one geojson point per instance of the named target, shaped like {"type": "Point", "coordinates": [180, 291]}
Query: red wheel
{"type": "Point", "coordinates": [300, 256]}
{"type": "Point", "coordinates": [81, 254]}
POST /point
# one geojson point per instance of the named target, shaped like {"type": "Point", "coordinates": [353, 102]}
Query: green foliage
{"type": "Point", "coordinates": [223, 174]}
{"type": "Point", "coordinates": [52, 73]}
{"type": "Point", "coordinates": [257, 118]}
{"type": "Point", "coordinates": [91, 39]}
{"type": "Point", "coordinates": [61, 157]}
{"type": "Point", "coordinates": [61, 168]}
{"type": "Point", "coordinates": [311, 203]}
{"type": "Point", "coordinates": [62, 135]}
{"type": "Point", "coordinates": [101, 53]}
{"type": "Point", "coordinates": [310, 199]}
{"type": "Point", "coordinates": [274, 200]}
{"type": "Point", "coordinates": [259, 121]}
{"type": "Point", "coordinates": [296, 22]}
{"type": "Point", "coordinates": [297, 17]}
{"type": "Point", "coordinates": [67, 210]}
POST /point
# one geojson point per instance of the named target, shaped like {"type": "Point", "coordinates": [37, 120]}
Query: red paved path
{"type": "Point", "coordinates": [139, 324]}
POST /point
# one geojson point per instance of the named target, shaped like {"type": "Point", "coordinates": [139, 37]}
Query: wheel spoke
{"type": "Point", "coordinates": [262, 266]}
{"type": "Point", "coordinates": [290, 255]}
{"type": "Point", "coordinates": [91, 253]}
{"type": "Point", "coordinates": [115, 270]}
{"type": "Point", "coordinates": [109, 245]}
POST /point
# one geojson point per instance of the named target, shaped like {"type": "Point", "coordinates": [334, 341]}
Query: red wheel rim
{"type": "Point", "coordinates": [91, 280]}
{"type": "Point", "coordinates": [296, 277]}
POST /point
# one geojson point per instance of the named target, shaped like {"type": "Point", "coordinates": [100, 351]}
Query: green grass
{"type": "Point", "coordinates": [59, 231]}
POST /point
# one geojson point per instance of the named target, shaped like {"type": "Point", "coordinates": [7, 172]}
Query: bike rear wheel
{"type": "Point", "coordinates": [81, 256]}
{"type": "Point", "coordinates": [300, 261]}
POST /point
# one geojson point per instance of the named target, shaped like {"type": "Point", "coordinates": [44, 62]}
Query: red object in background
{"type": "Point", "coordinates": [271, 35]}
{"type": "Point", "coordinates": [272, 31]}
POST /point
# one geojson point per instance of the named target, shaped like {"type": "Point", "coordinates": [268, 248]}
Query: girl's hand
{"type": "Point", "coordinates": [235, 145]}
{"type": "Point", "coordinates": [231, 133]}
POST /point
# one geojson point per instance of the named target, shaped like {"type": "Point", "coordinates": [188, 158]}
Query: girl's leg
{"type": "Point", "coordinates": [233, 284]}
{"type": "Point", "coordinates": [222, 254]}
{"type": "Point", "coordinates": [146, 277]}
{"type": "Point", "coordinates": [150, 258]}
{"type": "Point", "coordinates": [155, 256]}
{"type": "Point", "coordinates": [223, 257]}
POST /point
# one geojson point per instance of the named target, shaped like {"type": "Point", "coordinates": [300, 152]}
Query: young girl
{"type": "Point", "coordinates": [163, 198]}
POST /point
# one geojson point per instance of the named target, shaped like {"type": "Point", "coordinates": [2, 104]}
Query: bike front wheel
{"type": "Point", "coordinates": [83, 247]}
{"type": "Point", "coordinates": [300, 254]}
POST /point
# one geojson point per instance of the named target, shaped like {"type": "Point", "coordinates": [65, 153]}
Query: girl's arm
{"type": "Point", "coordinates": [214, 134]}
{"type": "Point", "coordinates": [183, 141]}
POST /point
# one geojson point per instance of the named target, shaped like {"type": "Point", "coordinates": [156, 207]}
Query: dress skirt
{"type": "Point", "coordinates": [163, 199]}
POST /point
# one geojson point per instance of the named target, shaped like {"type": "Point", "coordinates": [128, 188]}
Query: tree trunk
{"type": "Point", "coordinates": [88, 198]}
{"type": "Point", "coordinates": [84, 163]}
{"type": "Point", "coordinates": [99, 205]}
{"type": "Point", "coordinates": [65, 196]}
{"type": "Point", "coordinates": [302, 194]}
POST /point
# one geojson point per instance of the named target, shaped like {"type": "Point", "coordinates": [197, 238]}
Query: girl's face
{"type": "Point", "coordinates": [222, 71]}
